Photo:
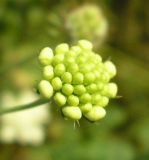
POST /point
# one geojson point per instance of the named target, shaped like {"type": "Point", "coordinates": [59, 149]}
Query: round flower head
{"type": "Point", "coordinates": [77, 80]}
{"type": "Point", "coordinates": [87, 22]}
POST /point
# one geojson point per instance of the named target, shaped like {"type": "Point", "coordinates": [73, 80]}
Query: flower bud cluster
{"type": "Point", "coordinates": [78, 80]}
{"type": "Point", "coordinates": [87, 22]}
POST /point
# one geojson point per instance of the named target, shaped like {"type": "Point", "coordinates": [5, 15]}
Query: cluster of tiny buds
{"type": "Point", "coordinates": [77, 80]}
{"type": "Point", "coordinates": [89, 22]}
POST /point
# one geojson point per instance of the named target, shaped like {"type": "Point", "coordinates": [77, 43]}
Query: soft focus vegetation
{"type": "Point", "coordinates": [28, 26]}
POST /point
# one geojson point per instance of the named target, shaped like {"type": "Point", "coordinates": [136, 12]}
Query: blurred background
{"type": "Point", "coordinates": [119, 31]}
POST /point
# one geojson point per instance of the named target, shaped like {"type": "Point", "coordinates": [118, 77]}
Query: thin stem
{"type": "Point", "coordinates": [25, 106]}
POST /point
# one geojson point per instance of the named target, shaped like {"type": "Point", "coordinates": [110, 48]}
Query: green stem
{"type": "Point", "coordinates": [25, 106]}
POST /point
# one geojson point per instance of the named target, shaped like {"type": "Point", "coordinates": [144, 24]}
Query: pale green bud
{"type": "Point", "coordinates": [90, 65]}
{"type": "Point", "coordinates": [97, 58]}
{"type": "Point", "coordinates": [95, 114]}
{"type": "Point", "coordinates": [59, 99]}
{"type": "Point", "coordinates": [79, 89]}
{"type": "Point", "coordinates": [59, 58]}
{"type": "Point", "coordinates": [46, 56]}
{"type": "Point", "coordinates": [110, 90]}
{"type": "Point", "coordinates": [86, 107]}
{"type": "Point", "coordinates": [45, 88]}
{"type": "Point", "coordinates": [59, 69]}
{"type": "Point", "coordinates": [97, 74]}
{"type": "Point", "coordinates": [48, 72]}
{"type": "Point", "coordinates": [73, 100]}
{"type": "Point", "coordinates": [98, 70]}
{"type": "Point", "coordinates": [66, 77]}
{"type": "Point", "coordinates": [103, 101]}
{"type": "Point", "coordinates": [100, 85]}
{"type": "Point", "coordinates": [84, 44]}
{"type": "Point", "coordinates": [84, 68]}
{"type": "Point", "coordinates": [56, 83]}
{"type": "Point", "coordinates": [72, 53]}
{"type": "Point", "coordinates": [81, 59]}
{"type": "Point", "coordinates": [89, 78]}
{"type": "Point", "coordinates": [86, 97]}
{"type": "Point", "coordinates": [62, 48]}
{"type": "Point", "coordinates": [76, 49]}
{"type": "Point", "coordinates": [105, 77]}
{"type": "Point", "coordinates": [67, 89]}
{"type": "Point", "coordinates": [69, 60]}
{"type": "Point", "coordinates": [92, 88]}
{"type": "Point", "coordinates": [73, 68]}
{"type": "Point", "coordinates": [110, 67]}
{"type": "Point", "coordinates": [72, 112]}
{"type": "Point", "coordinates": [77, 78]}
{"type": "Point", "coordinates": [96, 98]}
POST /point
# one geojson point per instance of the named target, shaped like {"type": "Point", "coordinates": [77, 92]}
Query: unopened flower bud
{"type": "Point", "coordinates": [46, 56]}
{"type": "Point", "coordinates": [72, 112]}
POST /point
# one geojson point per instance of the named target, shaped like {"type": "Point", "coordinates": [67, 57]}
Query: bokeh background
{"type": "Point", "coordinates": [122, 35]}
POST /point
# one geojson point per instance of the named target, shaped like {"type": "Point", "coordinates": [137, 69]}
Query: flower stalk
{"type": "Point", "coordinates": [23, 107]}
